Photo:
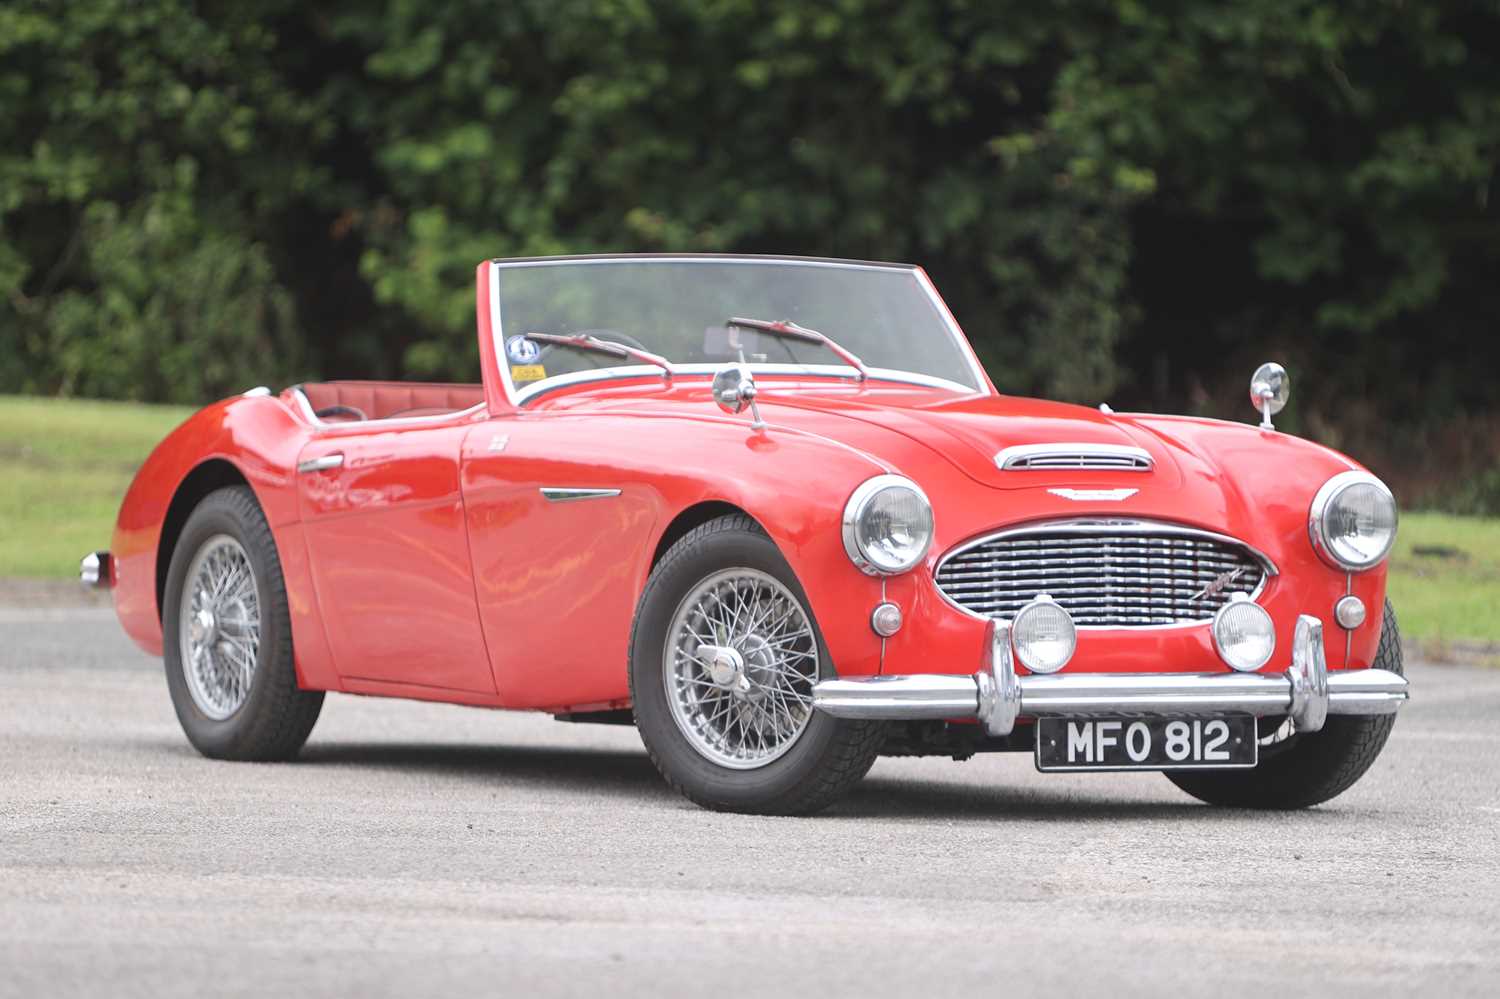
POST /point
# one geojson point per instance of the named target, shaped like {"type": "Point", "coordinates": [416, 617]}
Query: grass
{"type": "Point", "coordinates": [64, 466]}
{"type": "Point", "coordinates": [1445, 583]}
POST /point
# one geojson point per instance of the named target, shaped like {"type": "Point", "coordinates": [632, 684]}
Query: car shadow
{"type": "Point", "coordinates": [592, 770]}
{"type": "Point", "coordinates": [630, 775]}
{"type": "Point", "coordinates": [889, 798]}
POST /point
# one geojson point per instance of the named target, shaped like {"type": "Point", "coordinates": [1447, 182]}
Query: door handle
{"type": "Point", "coordinates": [323, 464]}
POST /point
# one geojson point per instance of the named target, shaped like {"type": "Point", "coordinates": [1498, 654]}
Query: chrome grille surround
{"type": "Point", "coordinates": [1074, 457]}
{"type": "Point", "coordinates": [1107, 573]}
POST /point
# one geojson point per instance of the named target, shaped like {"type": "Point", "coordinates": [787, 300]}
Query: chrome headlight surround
{"type": "Point", "coordinates": [1326, 508]}
{"type": "Point", "coordinates": [862, 535]}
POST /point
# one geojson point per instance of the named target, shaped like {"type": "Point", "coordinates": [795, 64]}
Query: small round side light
{"type": "Point", "coordinates": [886, 619]}
{"type": "Point", "coordinates": [1349, 612]}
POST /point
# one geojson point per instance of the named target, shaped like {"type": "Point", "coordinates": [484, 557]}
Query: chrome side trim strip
{"type": "Point", "coordinates": [1074, 457]}
{"type": "Point", "coordinates": [567, 494]}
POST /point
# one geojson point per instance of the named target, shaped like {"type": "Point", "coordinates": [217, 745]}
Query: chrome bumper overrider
{"type": "Point", "coordinates": [996, 696]}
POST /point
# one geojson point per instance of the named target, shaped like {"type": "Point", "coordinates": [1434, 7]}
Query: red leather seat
{"type": "Point", "coordinates": [384, 400]}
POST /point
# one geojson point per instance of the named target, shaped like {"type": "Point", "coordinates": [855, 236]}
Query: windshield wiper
{"type": "Point", "coordinates": [584, 341]}
{"type": "Point", "coordinates": [790, 330]}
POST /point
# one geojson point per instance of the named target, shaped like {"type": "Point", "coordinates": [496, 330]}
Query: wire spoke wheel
{"type": "Point", "coordinates": [739, 667]}
{"type": "Point", "coordinates": [219, 627]}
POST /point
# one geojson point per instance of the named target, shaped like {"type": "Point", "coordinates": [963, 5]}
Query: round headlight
{"type": "Point", "coordinates": [1244, 634]}
{"type": "Point", "coordinates": [887, 525]}
{"type": "Point", "coordinates": [1043, 635]}
{"type": "Point", "coordinates": [1353, 521]}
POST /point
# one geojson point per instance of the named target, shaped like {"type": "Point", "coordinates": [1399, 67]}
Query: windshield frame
{"type": "Point", "coordinates": [841, 372]}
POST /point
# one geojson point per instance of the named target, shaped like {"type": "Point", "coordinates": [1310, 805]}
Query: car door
{"type": "Point", "coordinates": [383, 515]}
{"type": "Point", "coordinates": [559, 532]}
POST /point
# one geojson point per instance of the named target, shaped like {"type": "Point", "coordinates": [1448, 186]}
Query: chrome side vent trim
{"type": "Point", "coordinates": [1074, 457]}
{"type": "Point", "coordinates": [569, 494]}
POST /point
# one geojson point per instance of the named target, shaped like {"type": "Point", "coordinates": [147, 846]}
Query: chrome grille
{"type": "Point", "coordinates": [1119, 574]}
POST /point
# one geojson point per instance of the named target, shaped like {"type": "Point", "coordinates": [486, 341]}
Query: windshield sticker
{"type": "Point", "coordinates": [520, 373]}
{"type": "Point", "coordinates": [521, 350]}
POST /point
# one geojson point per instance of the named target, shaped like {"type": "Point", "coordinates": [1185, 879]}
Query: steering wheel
{"type": "Point", "coordinates": [611, 335]}
{"type": "Point", "coordinates": [351, 412]}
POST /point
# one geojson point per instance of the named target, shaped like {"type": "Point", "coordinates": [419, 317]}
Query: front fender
{"type": "Point", "coordinates": [795, 485]}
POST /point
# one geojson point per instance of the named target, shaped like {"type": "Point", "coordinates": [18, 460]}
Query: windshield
{"type": "Point", "coordinates": [679, 308]}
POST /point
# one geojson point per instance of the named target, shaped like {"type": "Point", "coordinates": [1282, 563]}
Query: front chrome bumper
{"type": "Point", "coordinates": [996, 696]}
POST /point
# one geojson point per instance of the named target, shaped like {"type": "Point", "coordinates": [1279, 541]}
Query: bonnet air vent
{"type": "Point", "coordinates": [1071, 457]}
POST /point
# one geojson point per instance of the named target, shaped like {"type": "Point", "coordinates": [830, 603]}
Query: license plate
{"type": "Point", "coordinates": [1160, 743]}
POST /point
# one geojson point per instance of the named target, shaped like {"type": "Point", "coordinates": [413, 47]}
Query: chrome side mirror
{"type": "Point", "coordinates": [1270, 388]}
{"type": "Point", "coordinates": [734, 390]}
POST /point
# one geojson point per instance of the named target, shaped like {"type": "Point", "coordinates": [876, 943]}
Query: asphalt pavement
{"type": "Point", "coordinates": [421, 849]}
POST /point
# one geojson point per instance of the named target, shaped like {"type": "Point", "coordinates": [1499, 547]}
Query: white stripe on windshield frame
{"type": "Point", "coordinates": [944, 316]}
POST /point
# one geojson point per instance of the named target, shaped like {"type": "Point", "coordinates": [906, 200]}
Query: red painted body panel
{"type": "Point", "coordinates": [548, 573]}
{"type": "Point", "coordinates": [390, 556]}
{"type": "Point", "coordinates": [259, 436]}
{"type": "Point", "coordinates": [430, 565]}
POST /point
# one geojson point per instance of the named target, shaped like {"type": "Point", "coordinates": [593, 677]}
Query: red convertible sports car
{"type": "Point", "coordinates": [772, 512]}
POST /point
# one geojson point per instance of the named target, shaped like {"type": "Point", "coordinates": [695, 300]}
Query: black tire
{"type": "Point", "coordinates": [276, 717]}
{"type": "Point", "coordinates": [831, 754]}
{"type": "Point", "coordinates": [1312, 767]}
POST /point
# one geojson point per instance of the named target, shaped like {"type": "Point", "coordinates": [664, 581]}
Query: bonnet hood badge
{"type": "Point", "coordinates": [1085, 495]}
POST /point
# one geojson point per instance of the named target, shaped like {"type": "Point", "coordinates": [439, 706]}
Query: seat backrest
{"type": "Point", "coordinates": [385, 400]}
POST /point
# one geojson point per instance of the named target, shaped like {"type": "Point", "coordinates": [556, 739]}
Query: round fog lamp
{"type": "Point", "coordinates": [1244, 634]}
{"type": "Point", "coordinates": [1043, 635]}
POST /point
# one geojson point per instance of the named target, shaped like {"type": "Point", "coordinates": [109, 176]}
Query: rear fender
{"type": "Point", "coordinates": [249, 439]}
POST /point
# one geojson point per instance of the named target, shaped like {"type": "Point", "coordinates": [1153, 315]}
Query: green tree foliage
{"type": "Point", "coordinates": [1122, 200]}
